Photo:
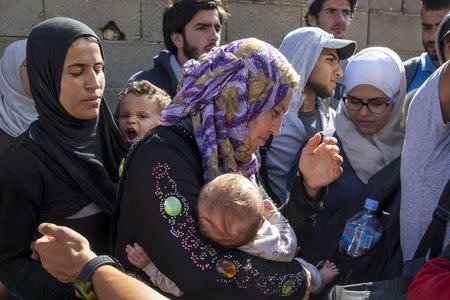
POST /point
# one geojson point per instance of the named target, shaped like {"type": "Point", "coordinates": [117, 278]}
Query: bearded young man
{"type": "Point", "coordinates": [419, 68]}
{"type": "Point", "coordinates": [190, 28]}
{"type": "Point", "coordinates": [333, 16]}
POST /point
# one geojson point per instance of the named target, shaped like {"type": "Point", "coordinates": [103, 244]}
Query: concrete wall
{"type": "Point", "coordinates": [391, 23]}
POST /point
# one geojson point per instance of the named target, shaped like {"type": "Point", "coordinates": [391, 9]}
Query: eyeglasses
{"type": "Point", "coordinates": [334, 12]}
{"type": "Point", "coordinates": [374, 105]}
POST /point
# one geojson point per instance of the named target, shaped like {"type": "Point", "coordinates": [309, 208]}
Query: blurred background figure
{"type": "Point", "coordinates": [17, 109]}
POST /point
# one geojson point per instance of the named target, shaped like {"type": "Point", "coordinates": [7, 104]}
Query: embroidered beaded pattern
{"type": "Point", "coordinates": [203, 255]}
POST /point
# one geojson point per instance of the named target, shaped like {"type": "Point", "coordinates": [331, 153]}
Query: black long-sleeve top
{"type": "Point", "coordinates": [31, 193]}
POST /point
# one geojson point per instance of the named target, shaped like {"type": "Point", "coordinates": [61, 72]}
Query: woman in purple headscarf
{"type": "Point", "coordinates": [228, 104]}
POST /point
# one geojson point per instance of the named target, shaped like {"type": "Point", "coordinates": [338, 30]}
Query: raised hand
{"type": "Point", "coordinates": [320, 163]}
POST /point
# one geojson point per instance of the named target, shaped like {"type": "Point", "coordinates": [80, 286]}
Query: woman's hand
{"type": "Point", "coordinates": [320, 163]}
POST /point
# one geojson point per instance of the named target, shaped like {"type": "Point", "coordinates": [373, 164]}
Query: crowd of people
{"type": "Point", "coordinates": [226, 171]}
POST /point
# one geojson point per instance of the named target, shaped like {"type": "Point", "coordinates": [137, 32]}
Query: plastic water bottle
{"type": "Point", "coordinates": [361, 231]}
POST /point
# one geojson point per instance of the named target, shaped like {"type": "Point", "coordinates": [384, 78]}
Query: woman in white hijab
{"type": "Point", "coordinates": [368, 120]}
{"type": "Point", "coordinates": [17, 109]}
{"type": "Point", "coordinates": [370, 138]}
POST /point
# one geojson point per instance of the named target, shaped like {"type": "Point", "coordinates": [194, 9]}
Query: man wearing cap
{"type": "Point", "coordinates": [315, 55]}
{"type": "Point", "coordinates": [333, 16]}
{"type": "Point", "coordinates": [443, 40]}
{"type": "Point", "coordinates": [419, 68]}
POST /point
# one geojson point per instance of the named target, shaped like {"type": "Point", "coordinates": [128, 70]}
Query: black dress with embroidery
{"type": "Point", "coordinates": [157, 208]}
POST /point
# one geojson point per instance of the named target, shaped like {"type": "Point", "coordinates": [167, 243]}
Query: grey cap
{"type": "Point", "coordinates": [344, 48]}
{"type": "Point", "coordinates": [310, 2]}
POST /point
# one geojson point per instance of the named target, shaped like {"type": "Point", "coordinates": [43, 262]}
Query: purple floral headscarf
{"type": "Point", "coordinates": [222, 91]}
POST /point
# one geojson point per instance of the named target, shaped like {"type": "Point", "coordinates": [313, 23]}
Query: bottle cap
{"type": "Point", "coordinates": [371, 204]}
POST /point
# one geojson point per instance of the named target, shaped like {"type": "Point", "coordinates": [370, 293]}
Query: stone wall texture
{"type": "Point", "coordinates": [391, 23]}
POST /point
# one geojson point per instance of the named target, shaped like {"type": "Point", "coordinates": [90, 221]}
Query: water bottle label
{"type": "Point", "coordinates": [347, 237]}
{"type": "Point", "coordinates": [355, 238]}
{"type": "Point", "coordinates": [368, 240]}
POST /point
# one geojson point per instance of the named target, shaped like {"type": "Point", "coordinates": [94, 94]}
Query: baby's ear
{"type": "Point", "coordinates": [268, 204]}
{"type": "Point", "coordinates": [269, 209]}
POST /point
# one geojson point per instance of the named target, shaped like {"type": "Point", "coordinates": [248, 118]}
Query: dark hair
{"type": "Point", "coordinates": [435, 4]}
{"type": "Point", "coordinates": [143, 87]}
{"type": "Point", "coordinates": [180, 12]}
{"type": "Point", "coordinates": [316, 7]}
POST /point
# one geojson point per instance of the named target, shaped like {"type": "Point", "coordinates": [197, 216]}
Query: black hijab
{"type": "Point", "coordinates": [90, 151]}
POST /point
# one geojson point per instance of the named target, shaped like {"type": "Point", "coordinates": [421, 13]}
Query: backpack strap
{"type": "Point", "coordinates": [411, 69]}
{"type": "Point", "coordinates": [434, 236]}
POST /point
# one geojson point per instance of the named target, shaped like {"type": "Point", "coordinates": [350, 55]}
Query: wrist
{"type": "Point", "coordinates": [313, 192]}
{"type": "Point", "coordinates": [83, 260]}
{"type": "Point", "coordinates": [84, 284]}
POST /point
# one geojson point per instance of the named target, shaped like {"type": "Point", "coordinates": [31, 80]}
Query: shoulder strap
{"type": "Point", "coordinates": [411, 68]}
{"type": "Point", "coordinates": [434, 236]}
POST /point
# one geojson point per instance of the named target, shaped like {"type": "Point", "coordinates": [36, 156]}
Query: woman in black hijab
{"type": "Point", "coordinates": [64, 169]}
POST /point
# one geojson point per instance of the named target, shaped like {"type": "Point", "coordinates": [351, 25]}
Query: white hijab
{"type": "Point", "coordinates": [382, 68]}
{"type": "Point", "coordinates": [17, 110]}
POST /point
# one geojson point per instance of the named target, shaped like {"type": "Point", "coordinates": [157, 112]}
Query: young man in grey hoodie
{"type": "Point", "coordinates": [335, 17]}
{"type": "Point", "coordinates": [315, 55]}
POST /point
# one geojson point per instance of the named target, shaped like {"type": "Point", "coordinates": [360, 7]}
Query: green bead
{"type": "Point", "coordinates": [288, 287]}
{"type": "Point", "coordinates": [172, 206]}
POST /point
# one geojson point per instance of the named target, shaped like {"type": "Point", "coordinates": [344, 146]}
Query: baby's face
{"type": "Point", "coordinates": [138, 115]}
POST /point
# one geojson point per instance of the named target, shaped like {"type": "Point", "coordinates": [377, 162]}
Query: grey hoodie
{"type": "Point", "coordinates": [302, 48]}
{"type": "Point", "coordinates": [443, 28]}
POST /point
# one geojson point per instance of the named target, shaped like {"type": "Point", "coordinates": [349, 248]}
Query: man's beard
{"type": "Point", "coordinates": [433, 56]}
{"type": "Point", "coordinates": [320, 89]}
{"type": "Point", "coordinates": [191, 52]}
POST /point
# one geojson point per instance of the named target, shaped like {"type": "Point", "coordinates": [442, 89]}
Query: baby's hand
{"type": "Point", "coordinates": [137, 255]}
